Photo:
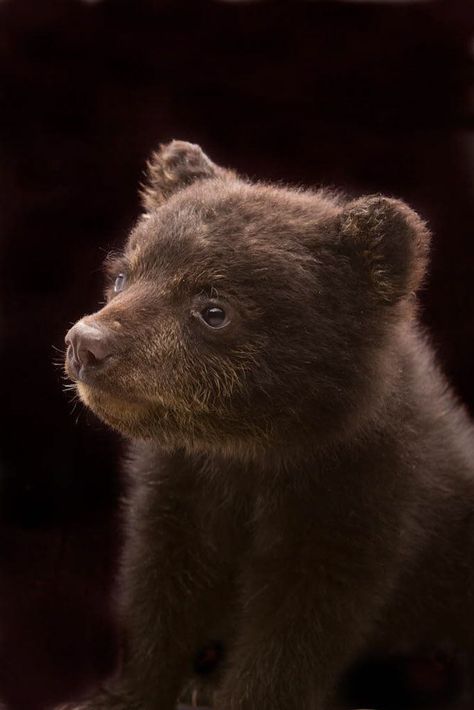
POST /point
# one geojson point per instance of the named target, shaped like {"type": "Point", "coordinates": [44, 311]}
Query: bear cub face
{"type": "Point", "coordinates": [242, 316]}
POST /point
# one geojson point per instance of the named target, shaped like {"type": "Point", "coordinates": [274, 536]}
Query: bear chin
{"type": "Point", "coordinates": [129, 417]}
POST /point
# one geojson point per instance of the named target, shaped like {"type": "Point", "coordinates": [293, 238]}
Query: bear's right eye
{"type": "Point", "coordinates": [119, 284]}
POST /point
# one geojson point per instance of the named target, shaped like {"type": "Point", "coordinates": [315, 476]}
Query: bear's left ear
{"type": "Point", "coordinates": [173, 167]}
{"type": "Point", "coordinates": [389, 242]}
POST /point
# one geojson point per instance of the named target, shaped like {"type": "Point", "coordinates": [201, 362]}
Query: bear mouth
{"type": "Point", "coordinates": [103, 384]}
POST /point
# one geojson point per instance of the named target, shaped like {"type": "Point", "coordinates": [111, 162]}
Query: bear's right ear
{"type": "Point", "coordinates": [389, 243]}
{"type": "Point", "coordinates": [175, 166]}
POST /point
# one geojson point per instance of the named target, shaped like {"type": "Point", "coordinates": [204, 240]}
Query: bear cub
{"type": "Point", "coordinates": [302, 476]}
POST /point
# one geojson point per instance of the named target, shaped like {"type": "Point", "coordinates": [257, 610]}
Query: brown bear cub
{"type": "Point", "coordinates": [303, 477]}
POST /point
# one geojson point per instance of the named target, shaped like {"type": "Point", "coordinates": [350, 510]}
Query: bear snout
{"type": "Point", "coordinates": [89, 346]}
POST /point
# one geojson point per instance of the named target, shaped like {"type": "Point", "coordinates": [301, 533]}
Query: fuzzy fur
{"type": "Point", "coordinates": [303, 479]}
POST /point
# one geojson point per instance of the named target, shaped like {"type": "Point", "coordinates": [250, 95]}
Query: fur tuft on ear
{"type": "Point", "coordinates": [173, 167]}
{"type": "Point", "coordinates": [390, 242]}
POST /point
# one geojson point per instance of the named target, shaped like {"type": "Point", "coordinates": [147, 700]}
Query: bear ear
{"type": "Point", "coordinates": [389, 242]}
{"type": "Point", "coordinates": [175, 166]}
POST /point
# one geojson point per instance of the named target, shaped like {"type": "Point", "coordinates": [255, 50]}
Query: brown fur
{"type": "Point", "coordinates": [303, 477]}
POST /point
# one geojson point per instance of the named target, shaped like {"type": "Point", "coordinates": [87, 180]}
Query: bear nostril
{"type": "Point", "coordinates": [87, 358]}
{"type": "Point", "coordinates": [88, 344]}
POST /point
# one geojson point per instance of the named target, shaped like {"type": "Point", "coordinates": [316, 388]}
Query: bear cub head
{"type": "Point", "coordinates": [243, 316]}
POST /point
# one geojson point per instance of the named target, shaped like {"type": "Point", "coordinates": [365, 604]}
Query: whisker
{"type": "Point", "coordinates": [78, 417]}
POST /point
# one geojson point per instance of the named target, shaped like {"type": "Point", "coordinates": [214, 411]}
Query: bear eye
{"type": "Point", "coordinates": [119, 283]}
{"type": "Point", "coordinates": [214, 316]}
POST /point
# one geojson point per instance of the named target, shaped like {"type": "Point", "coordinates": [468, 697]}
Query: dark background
{"type": "Point", "coordinates": [366, 97]}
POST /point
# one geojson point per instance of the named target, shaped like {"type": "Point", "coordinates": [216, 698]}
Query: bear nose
{"type": "Point", "coordinates": [89, 344]}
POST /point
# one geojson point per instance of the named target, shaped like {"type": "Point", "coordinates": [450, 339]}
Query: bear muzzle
{"type": "Point", "coordinates": [89, 347]}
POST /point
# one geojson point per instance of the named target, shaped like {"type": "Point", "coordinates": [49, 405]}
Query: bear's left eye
{"type": "Point", "coordinates": [214, 316]}
{"type": "Point", "coordinates": [119, 284]}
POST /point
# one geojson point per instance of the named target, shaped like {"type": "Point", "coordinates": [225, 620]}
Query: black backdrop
{"type": "Point", "coordinates": [367, 97]}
